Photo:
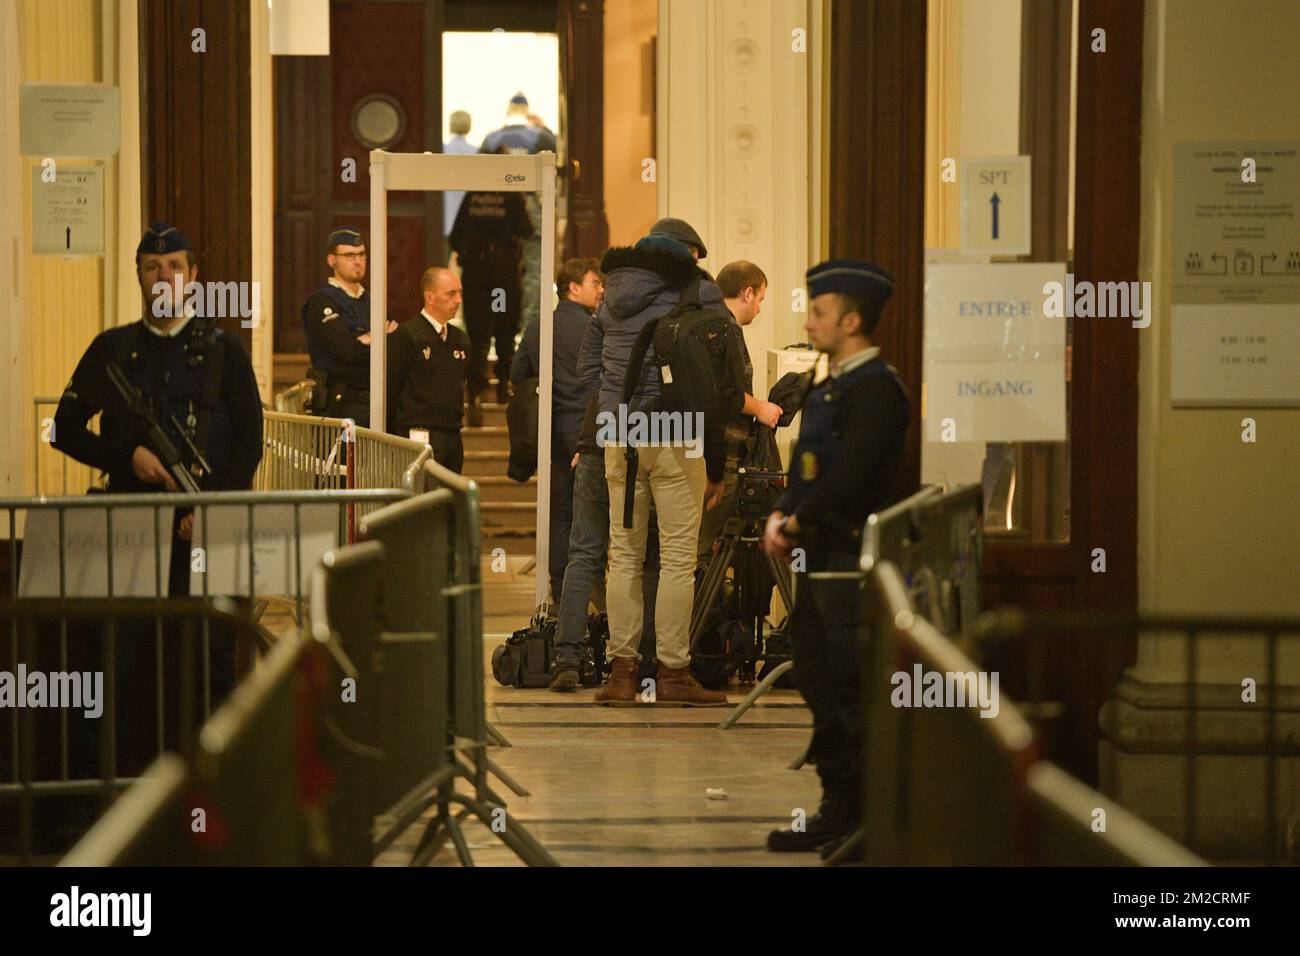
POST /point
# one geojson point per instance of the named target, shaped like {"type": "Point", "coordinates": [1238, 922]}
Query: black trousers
{"type": "Point", "coordinates": [448, 450]}
{"type": "Point", "coordinates": [827, 635]}
{"type": "Point", "coordinates": [563, 448]}
{"type": "Point", "coordinates": [492, 303]}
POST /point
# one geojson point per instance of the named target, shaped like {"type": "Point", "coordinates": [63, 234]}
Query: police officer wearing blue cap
{"type": "Point", "coordinates": [199, 386]}
{"type": "Point", "coordinates": [337, 322]}
{"type": "Point", "coordinates": [198, 379]}
{"type": "Point", "coordinates": [843, 468]}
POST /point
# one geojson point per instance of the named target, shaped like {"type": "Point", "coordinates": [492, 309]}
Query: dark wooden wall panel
{"type": "Point", "coordinates": [877, 170]}
{"type": "Point", "coordinates": [194, 131]}
{"type": "Point", "coordinates": [389, 47]}
{"type": "Point", "coordinates": [582, 52]}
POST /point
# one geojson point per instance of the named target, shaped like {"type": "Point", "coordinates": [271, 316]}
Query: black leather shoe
{"type": "Point", "coordinates": [817, 830]}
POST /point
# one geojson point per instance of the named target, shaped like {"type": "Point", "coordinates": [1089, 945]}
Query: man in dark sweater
{"type": "Point", "coordinates": [580, 289]}
{"type": "Point", "coordinates": [428, 358]}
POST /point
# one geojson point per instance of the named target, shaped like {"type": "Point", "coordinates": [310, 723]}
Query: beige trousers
{"type": "Point", "coordinates": [676, 483]}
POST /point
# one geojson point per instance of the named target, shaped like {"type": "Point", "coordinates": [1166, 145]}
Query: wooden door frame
{"type": "Point", "coordinates": [877, 113]}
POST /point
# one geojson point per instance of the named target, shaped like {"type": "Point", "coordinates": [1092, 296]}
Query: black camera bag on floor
{"type": "Point", "coordinates": [525, 659]}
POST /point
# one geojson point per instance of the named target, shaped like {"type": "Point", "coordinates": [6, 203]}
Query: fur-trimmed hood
{"type": "Point", "coordinates": [637, 276]}
{"type": "Point", "coordinates": [642, 283]}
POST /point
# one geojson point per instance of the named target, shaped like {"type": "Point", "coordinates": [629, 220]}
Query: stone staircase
{"type": "Point", "coordinates": [508, 508]}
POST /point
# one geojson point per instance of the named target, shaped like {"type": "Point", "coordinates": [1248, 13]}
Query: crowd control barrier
{"type": "Point", "coordinates": [1202, 730]}
{"type": "Point", "coordinates": [93, 592]}
{"type": "Point", "coordinates": [953, 775]}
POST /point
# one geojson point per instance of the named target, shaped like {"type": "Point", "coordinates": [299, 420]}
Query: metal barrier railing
{"type": "Point", "coordinates": [133, 704]}
{"type": "Point", "coordinates": [953, 773]}
{"type": "Point", "coordinates": [294, 399]}
{"type": "Point", "coordinates": [315, 463]}
{"type": "Point", "coordinates": [1033, 635]}
{"type": "Point", "coordinates": [95, 584]}
{"type": "Point", "coordinates": [303, 452]}
{"type": "Point", "coordinates": [255, 791]}
{"type": "Point", "coordinates": [391, 611]}
{"type": "Point", "coordinates": [936, 541]}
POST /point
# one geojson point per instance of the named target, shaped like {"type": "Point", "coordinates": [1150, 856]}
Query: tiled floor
{"type": "Point", "coordinates": [628, 786]}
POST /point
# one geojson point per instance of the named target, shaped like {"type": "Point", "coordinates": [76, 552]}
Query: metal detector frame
{"type": "Point", "coordinates": [438, 172]}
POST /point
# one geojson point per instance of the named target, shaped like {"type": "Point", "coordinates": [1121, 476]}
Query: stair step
{"type": "Point", "coordinates": [494, 488]}
{"type": "Point", "coordinates": [514, 540]}
{"type": "Point", "coordinates": [481, 464]}
{"type": "Point", "coordinates": [494, 415]}
{"type": "Point", "coordinates": [487, 438]}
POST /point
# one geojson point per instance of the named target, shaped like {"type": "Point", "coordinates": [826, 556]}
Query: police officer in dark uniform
{"type": "Point", "coordinates": [198, 383]}
{"type": "Point", "coordinates": [842, 469]}
{"type": "Point", "coordinates": [487, 240]}
{"type": "Point", "coordinates": [428, 358]}
{"type": "Point", "coordinates": [337, 321]}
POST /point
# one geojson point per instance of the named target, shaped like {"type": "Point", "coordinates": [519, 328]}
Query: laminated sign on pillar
{"type": "Point", "coordinates": [995, 205]}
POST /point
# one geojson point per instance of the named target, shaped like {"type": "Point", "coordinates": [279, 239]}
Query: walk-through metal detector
{"type": "Point", "coordinates": [482, 173]}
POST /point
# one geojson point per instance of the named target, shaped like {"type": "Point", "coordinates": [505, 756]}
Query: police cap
{"type": "Point", "coordinates": [160, 239]}
{"type": "Point", "coordinates": [851, 277]}
{"type": "Point", "coordinates": [343, 236]}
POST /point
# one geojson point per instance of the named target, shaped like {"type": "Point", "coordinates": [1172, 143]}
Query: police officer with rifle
{"type": "Point", "coordinates": [179, 403]}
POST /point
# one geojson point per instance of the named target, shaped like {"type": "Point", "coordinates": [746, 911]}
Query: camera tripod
{"type": "Point", "coordinates": [740, 546]}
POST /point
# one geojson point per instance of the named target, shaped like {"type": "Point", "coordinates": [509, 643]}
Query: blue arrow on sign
{"type": "Point", "coordinates": [994, 201]}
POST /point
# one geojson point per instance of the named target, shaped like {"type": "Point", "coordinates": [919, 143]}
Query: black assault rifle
{"type": "Point", "coordinates": [158, 440]}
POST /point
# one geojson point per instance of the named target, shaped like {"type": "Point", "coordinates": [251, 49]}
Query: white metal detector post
{"type": "Point", "coordinates": [482, 173]}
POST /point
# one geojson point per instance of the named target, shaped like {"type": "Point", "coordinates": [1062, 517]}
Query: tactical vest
{"type": "Point", "coordinates": [818, 447]}
{"type": "Point", "coordinates": [183, 393]}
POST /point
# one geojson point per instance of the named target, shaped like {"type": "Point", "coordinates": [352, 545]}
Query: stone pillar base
{"type": "Point", "coordinates": [1144, 765]}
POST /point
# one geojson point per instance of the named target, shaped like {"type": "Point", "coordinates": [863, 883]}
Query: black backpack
{"type": "Point", "coordinates": [700, 366]}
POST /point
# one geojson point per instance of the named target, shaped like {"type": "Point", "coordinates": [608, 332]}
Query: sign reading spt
{"type": "Point", "coordinates": [995, 205]}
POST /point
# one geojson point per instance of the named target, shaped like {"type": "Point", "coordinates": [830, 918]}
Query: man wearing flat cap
{"type": "Point", "coordinates": [843, 468]}
{"type": "Point", "coordinates": [337, 322]}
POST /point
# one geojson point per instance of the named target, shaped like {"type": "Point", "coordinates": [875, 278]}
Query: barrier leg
{"type": "Point", "coordinates": [495, 736]}
{"type": "Point", "coordinates": [458, 838]}
{"type": "Point", "coordinates": [761, 688]}
{"type": "Point", "coordinates": [513, 834]}
{"type": "Point", "coordinates": [505, 778]}
{"type": "Point", "coordinates": [850, 845]}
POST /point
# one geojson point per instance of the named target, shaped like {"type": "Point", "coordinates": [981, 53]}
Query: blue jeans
{"type": "Point", "coordinates": [588, 552]}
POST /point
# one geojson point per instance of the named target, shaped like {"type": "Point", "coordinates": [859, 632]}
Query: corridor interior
{"type": "Point", "coordinates": [631, 786]}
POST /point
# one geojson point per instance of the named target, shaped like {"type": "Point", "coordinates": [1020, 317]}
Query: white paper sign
{"type": "Point", "coordinates": [68, 214]}
{"type": "Point", "coordinates": [1236, 355]}
{"type": "Point", "coordinates": [994, 364]}
{"type": "Point", "coordinates": [223, 557]}
{"type": "Point", "coordinates": [69, 119]}
{"type": "Point", "coordinates": [1236, 223]}
{"type": "Point", "coordinates": [995, 205]}
{"type": "Point", "coordinates": [136, 571]}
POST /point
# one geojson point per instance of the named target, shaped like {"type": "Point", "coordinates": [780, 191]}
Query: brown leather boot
{"type": "Point", "coordinates": [677, 687]}
{"type": "Point", "coordinates": [620, 688]}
